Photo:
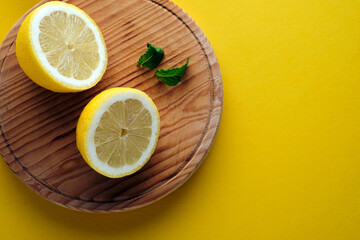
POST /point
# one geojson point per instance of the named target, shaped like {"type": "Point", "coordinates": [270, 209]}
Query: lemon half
{"type": "Point", "coordinates": [61, 48]}
{"type": "Point", "coordinates": [117, 131]}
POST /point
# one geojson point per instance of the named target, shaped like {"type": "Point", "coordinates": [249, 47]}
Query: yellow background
{"type": "Point", "coordinates": [286, 160]}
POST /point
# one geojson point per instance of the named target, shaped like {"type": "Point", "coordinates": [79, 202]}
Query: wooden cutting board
{"type": "Point", "coordinates": [38, 126]}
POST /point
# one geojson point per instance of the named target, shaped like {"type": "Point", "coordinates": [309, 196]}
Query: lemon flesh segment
{"type": "Point", "coordinates": [61, 48]}
{"type": "Point", "coordinates": [117, 131]}
{"type": "Point", "coordinates": [123, 133]}
{"type": "Point", "coordinates": [69, 45]}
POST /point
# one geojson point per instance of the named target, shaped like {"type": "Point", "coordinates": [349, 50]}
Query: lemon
{"type": "Point", "coordinates": [60, 48]}
{"type": "Point", "coordinates": [117, 131]}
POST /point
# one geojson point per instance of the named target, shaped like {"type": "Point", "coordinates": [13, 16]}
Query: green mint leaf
{"type": "Point", "coordinates": [171, 77]}
{"type": "Point", "coordinates": [152, 57]}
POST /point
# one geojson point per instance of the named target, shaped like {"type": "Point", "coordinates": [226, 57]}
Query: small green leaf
{"type": "Point", "coordinates": [171, 77]}
{"type": "Point", "coordinates": [152, 57]}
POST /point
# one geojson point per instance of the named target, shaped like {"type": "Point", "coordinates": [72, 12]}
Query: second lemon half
{"type": "Point", "coordinates": [117, 131]}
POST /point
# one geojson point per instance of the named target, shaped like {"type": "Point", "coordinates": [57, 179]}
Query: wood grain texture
{"type": "Point", "coordinates": [38, 126]}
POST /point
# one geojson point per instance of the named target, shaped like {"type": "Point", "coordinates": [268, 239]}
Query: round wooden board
{"type": "Point", "coordinates": [38, 126]}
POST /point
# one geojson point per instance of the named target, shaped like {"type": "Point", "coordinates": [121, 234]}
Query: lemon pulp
{"type": "Point", "coordinates": [69, 45]}
{"type": "Point", "coordinates": [123, 133]}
